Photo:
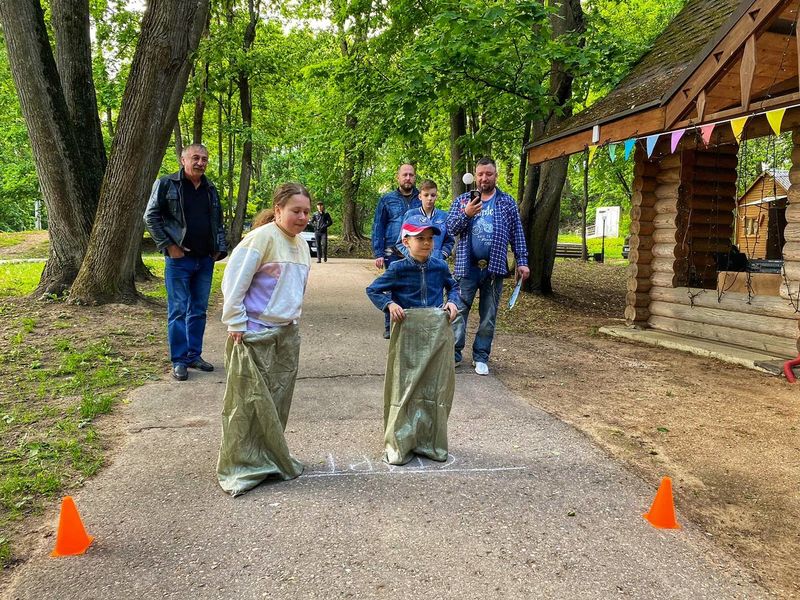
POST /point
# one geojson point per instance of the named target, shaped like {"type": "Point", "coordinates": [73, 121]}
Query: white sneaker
{"type": "Point", "coordinates": [481, 368]}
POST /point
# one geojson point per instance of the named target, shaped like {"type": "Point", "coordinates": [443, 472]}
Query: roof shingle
{"type": "Point", "coordinates": [700, 23]}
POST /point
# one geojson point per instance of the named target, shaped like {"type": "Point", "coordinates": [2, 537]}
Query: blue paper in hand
{"type": "Point", "coordinates": [513, 300]}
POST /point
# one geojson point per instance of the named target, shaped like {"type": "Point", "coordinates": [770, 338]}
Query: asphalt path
{"type": "Point", "coordinates": [526, 507]}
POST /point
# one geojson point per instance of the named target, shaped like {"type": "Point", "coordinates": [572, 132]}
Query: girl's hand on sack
{"type": "Point", "coordinates": [452, 310]}
{"type": "Point", "coordinates": [236, 336]}
{"type": "Point", "coordinates": [396, 312]}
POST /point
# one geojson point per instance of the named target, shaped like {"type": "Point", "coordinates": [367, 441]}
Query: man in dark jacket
{"type": "Point", "coordinates": [184, 218]}
{"type": "Point", "coordinates": [321, 220]}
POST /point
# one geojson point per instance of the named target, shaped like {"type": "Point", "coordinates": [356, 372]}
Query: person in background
{"type": "Point", "coordinates": [321, 220]}
{"type": "Point", "coordinates": [443, 242]}
{"type": "Point", "coordinates": [485, 226]}
{"type": "Point", "coordinates": [389, 214]}
{"type": "Point", "coordinates": [184, 218]}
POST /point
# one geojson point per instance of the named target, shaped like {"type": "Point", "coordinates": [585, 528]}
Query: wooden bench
{"type": "Point", "coordinates": [569, 251]}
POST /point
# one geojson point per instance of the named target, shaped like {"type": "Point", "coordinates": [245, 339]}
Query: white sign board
{"type": "Point", "coordinates": [606, 222]}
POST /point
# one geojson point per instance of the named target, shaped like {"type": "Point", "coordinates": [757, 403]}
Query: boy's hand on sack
{"type": "Point", "coordinates": [452, 310]}
{"type": "Point", "coordinates": [236, 336]}
{"type": "Point", "coordinates": [396, 312]}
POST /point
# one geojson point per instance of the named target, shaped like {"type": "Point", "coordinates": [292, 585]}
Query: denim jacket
{"type": "Point", "coordinates": [389, 218]}
{"type": "Point", "coordinates": [442, 243]}
{"type": "Point", "coordinates": [165, 219]}
{"type": "Point", "coordinates": [413, 284]}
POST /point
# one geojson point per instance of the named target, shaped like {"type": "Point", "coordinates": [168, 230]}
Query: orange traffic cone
{"type": "Point", "coordinates": [72, 537]}
{"type": "Point", "coordinates": [662, 511]}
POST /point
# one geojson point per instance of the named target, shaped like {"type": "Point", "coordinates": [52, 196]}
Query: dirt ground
{"type": "Point", "coordinates": [727, 436]}
{"type": "Point", "coordinates": [33, 245]}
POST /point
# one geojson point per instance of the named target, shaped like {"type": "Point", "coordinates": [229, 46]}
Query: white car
{"type": "Point", "coordinates": [308, 236]}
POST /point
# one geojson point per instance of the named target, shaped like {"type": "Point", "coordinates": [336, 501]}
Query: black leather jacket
{"type": "Point", "coordinates": [165, 219]}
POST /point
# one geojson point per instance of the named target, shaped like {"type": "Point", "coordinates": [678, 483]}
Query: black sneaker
{"type": "Point", "coordinates": [179, 372]}
{"type": "Point", "coordinates": [199, 363]}
{"type": "Point", "coordinates": [387, 334]}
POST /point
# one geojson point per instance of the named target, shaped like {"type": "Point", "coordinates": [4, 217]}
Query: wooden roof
{"type": "Point", "coordinates": [717, 60]}
{"type": "Point", "coordinates": [782, 184]}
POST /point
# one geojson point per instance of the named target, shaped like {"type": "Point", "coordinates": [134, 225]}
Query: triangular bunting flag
{"type": "Point", "coordinates": [775, 117]}
{"type": "Point", "coordinates": [676, 137]}
{"type": "Point", "coordinates": [651, 143]}
{"type": "Point", "coordinates": [592, 150]}
{"type": "Point", "coordinates": [705, 132]}
{"type": "Point", "coordinates": [738, 126]}
{"type": "Point", "coordinates": [629, 147]}
{"type": "Point", "coordinates": [612, 152]}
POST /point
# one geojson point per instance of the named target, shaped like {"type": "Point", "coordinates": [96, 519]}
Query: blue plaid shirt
{"type": "Point", "coordinates": [507, 228]}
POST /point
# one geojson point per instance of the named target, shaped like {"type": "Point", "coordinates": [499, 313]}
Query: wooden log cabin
{"type": "Point", "coordinates": [717, 61]}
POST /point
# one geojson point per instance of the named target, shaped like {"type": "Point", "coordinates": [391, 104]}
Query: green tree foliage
{"type": "Point", "coordinates": [618, 34]}
{"type": "Point", "coordinates": [396, 68]}
{"type": "Point", "coordinates": [18, 183]}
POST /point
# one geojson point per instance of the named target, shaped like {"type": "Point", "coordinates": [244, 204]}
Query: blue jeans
{"type": "Point", "coordinates": [490, 288]}
{"type": "Point", "coordinates": [188, 282]}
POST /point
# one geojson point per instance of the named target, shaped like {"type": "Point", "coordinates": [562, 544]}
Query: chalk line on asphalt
{"type": "Point", "coordinates": [364, 466]}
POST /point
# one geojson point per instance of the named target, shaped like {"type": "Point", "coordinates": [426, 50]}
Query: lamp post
{"type": "Point", "coordinates": [603, 241]}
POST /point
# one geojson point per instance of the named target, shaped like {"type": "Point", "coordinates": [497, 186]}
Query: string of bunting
{"type": "Point", "coordinates": [774, 117]}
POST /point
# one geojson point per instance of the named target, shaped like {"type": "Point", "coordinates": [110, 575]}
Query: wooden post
{"type": "Point", "coordinates": [791, 259]}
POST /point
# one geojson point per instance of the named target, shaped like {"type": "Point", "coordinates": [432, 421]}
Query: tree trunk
{"type": "Point", "coordinates": [544, 229]}
{"type": "Point", "coordinates": [64, 187]}
{"type": "Point", "coordinates": [541, 204]}
{"type": "Point", "coordinates": [176, 130]}
{"type": "Point", "coordinates": [585, 207]}
{"type": "Point", "coordinates": [200, 109]}
{"type": "Point", "coordinates": [458, 129]}
{"type": "Point", "coordinates": [110, 122]}
{"type": "Point", "coordinates": [231, 155]}
{"type": "Point", "coordinates": [158, 75]}
{"type": "Point", "coordinates": [220, 154]}
{"type": "Point", "coordinates": [246, 103]}
{"type": "Point", "coordinates": [523, 161]}
{"type": "Point", "coordinates": [351, 182]}
{"type": "Point", "coordinates": [107, 109]}
{"type": "Point", "coordinates": [70, 19]}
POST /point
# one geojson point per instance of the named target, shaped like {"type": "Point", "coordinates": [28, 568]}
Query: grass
{"type": "Point", "coordinates": [19, 279]}
{"type": "Point", "coordinates": [58, 377]}
{"type": "Point", "coordinates": [613, 246]}
{"type": "Point", "coordinates": [11, 239]}
{"type": "Point", "coordinates": [156, 266]}
{"type": "Point", "coordinates": [24, 244]}
{"type": "Point", "coordinates": [61, 368]}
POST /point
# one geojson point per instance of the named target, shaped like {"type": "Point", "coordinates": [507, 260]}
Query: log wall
{"type": "Point", "coordinates": [790, 290]}
{"type": "Point", "coordinates": [708, 191]}
{"type": "Point", "coordinates": [682, 216]}
{"type": "Point", "coordinates": [643, 213]}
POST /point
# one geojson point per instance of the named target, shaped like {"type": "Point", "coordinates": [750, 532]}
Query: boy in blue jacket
{"type": "Point", "coordinates": [420, 370]}
{"type": "Point", "coordinates": [443, 242]}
